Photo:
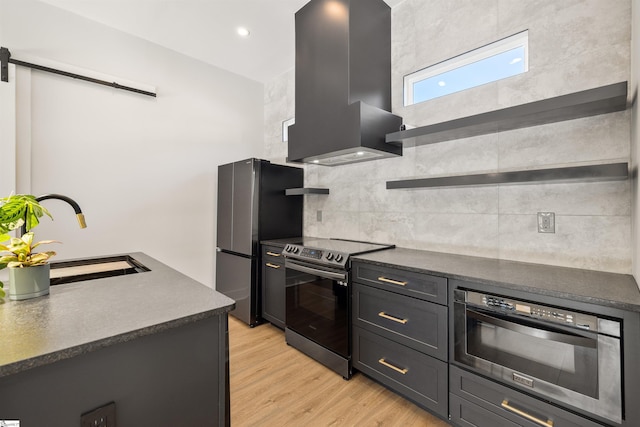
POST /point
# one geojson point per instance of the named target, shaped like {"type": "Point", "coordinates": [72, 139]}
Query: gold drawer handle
{"type": "Point", "coordinates": [272, 253]}
{"type": "Point", "coordinates": [395, 319]}
{"type": "Point", "coordinates": [505, 405]}
{"type": "Point", "coordinates": [393, 282]}
{"type": "Point", "coordinates": [395, 368]}
{"type": "Point", "coordinates": [276, 266]}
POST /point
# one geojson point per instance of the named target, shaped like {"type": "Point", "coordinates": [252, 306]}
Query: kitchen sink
{"type": "Point", "coordinates": [94, 268]}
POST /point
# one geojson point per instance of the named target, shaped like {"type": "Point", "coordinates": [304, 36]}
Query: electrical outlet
{"type": "Point", "coordinates": [104, 416]}
{"type": "Point", "coordinates": [546, 222]}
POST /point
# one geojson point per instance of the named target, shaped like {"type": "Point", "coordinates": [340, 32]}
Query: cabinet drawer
{"type": "Point", "coordinates": [508, 404]}
{"type": "Point", "coordinates": [410, 373]}
{"type": "Point", "coordinates": [418, 324]}
{"type": "Point", "coordinates": [272, 254]}
{"type": "Point", "coordinates": [417, 285]}
{"type": "Point", "coordinates": [467, 414]}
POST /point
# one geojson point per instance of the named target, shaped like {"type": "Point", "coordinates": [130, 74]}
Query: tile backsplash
{"type": "Point", "coordinates": [593, 220]}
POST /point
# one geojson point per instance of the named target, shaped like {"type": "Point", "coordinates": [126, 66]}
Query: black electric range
{"type": "Point", "coordinates": [318, 298]}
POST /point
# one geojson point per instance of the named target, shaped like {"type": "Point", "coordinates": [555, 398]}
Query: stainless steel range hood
{"type": "Point", "coordinates": [343, 83]}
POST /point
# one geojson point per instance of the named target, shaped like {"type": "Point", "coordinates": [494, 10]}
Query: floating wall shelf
{"type": "Point", "coordinates": [602, 172]}
{"type": "Point", "coordinates": [601, 100]}
{"type": "Point", "coordinates": [305, 190]}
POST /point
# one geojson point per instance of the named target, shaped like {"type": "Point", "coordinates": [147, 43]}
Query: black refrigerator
{"type": "Point", "coordinates": [252, 206]}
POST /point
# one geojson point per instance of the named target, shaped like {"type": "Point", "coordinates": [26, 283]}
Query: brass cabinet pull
{"type": "Point", "coordinates": [276, 266]}
{"type": "Point", "coordinates": [395, 319]}
{"type": "Point", "coordinates": [505, 405]}
{"type": "Point", "coordinates": [395, 368]}
{"type": "Point", "coordinates": [394, 282]}
{"type": "Point", "coordinates": [272, 253]}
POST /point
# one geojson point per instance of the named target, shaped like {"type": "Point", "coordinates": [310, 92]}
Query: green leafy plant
{"type": "Point", "coordinates": [18, 209]}
{"type": "Point", "coordinates": [15, 211]}
{"type": "Point", "coordinates": [21, 252]}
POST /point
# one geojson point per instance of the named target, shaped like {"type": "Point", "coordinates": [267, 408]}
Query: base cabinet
{"type": "Point", "coordinates": [400, 333]}
{"type": "Point", "coordinates": [419, 377]}
{"type": "Point", "coordinates": [479, 402]}
{"type": "Point", "coordinates": [273, 284]}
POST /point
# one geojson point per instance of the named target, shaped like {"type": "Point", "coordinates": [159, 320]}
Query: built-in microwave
{"type": "Point", "coordinates": [571, 358]}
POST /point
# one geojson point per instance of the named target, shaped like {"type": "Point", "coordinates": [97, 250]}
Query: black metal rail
{"type": "Point", "coordinates": [5, 60]}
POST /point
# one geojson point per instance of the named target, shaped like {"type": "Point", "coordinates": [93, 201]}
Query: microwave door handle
{"type": "Point", "coordinates": [323, 273]}
{"type": "Point", "coordinates": [570, 339]}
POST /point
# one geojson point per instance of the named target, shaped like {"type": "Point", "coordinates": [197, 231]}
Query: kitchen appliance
{"type": "Point", "coordinates": [318, 299]}
{"type": "Point", "coordinates": [568, 357]}
{"type": "Point", "coordinates": [343, 83]}
{"type": "Point", "coordinates": [252, 206]}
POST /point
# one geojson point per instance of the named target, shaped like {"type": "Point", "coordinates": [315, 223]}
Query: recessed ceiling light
{"type": "Point", "coordinates": [441, 83]}
{"type": "Point", "coordinates": [360, 153]}
{"type": "Point", "coordinates": [244, 32]}
{"type": "Point", "coordinates": [316, 161]}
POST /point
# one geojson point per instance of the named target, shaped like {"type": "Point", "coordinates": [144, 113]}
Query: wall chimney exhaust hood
{"type": "Point", "coordinates": [343, 83]}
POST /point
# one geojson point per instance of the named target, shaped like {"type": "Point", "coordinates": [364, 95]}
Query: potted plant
{"type": "Point", "coordinates": [15, 211]}
{"type": "Point", "coordinates": [28, 270]}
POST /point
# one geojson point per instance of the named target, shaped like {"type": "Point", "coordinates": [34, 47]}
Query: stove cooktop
{"type": "Point", "coordinates": [331, 252]}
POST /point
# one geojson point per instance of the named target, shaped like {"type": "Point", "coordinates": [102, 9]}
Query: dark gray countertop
{"type": "Point", "coordinates": [596, 287]}
{"type": "Point", "coordinates": [81, 317]}
{"type": "Point", "coordinates": [281, 243]}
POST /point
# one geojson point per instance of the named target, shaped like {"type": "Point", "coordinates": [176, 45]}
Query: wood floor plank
{"type": "Point", "coordinates": [273, 384]}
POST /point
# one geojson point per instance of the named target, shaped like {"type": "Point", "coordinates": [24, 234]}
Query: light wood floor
{"type": "Point", "coordinates": [273, 384]}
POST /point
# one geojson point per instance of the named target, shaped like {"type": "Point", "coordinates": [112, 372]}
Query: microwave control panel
{"type": "Point", "coordinates": [532, 310]}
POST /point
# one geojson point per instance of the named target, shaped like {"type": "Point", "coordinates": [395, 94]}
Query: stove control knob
{"type": "Point", "coordinates": [288, 248]}
{"type": "Point", "coordinates": [294, 249]}
{"type": "Point", "coordinates": [329, 256]}
{"type": "Point", "coordinates": [338, 258]}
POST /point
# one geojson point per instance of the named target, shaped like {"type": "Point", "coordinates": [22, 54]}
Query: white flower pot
{"type": "Point", "coordinates": [28, 282]}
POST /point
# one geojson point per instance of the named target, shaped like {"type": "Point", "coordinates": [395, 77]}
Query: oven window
{"type": "Point", "coordinates": [569, 364]}
{"type": "Point", "coordinates": [318, 308]}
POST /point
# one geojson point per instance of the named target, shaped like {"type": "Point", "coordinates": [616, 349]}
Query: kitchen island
{"type": "Point", "coordinates": [155, 343]}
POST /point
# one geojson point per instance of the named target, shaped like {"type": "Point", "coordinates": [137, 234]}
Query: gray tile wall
{"type": "Point", "coordinates": [574, 45]}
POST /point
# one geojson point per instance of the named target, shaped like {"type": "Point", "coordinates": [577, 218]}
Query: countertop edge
{"type": "Point", "coordinates": [68, 353]}
{"type": "Point", "coordinates": [611, 303]}
{"type": "Point", "coordinates": [493, 268]}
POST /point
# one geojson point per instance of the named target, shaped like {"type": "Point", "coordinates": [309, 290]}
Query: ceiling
{"type": "Point", "coordinates": [206, 29]}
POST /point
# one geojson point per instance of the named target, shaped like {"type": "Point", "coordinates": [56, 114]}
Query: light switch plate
{"type": "Point", "coordinates": [546, 222]}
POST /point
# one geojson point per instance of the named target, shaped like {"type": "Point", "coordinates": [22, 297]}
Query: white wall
{"type": "Point", "coordinates": [574, 45]}
{"type": "Point", "coordinates": [143, 170]}
{"type": "Point", "coordinates": [8, 132]}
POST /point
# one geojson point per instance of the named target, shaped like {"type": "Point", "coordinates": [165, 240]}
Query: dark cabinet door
{"type": "Point", "coordinates": [273, 293]}
{"type": "Point", "coordinates": [225, 206]}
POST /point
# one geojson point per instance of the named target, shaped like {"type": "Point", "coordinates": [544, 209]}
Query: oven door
{"type": "Point", "coordinates": [578, 368]}
{"type": "Point", "coordinates": [318, 304]}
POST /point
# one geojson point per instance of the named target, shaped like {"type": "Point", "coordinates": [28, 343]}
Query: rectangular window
{"type": "Point", "coordinates": [504, 58]}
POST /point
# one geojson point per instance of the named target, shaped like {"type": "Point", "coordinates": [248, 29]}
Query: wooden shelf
{"type": "Point", "coordinates": [601, 100]}
{"type": "Point", "coordinates": [602, 172]}
{"type": "Point", "coordinates": [305, 191]}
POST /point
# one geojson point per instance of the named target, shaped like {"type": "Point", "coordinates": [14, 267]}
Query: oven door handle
{"type": "Point", "coordinates": [566, 338]}
{"type": "Point", "coordinates": [317, 271]}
